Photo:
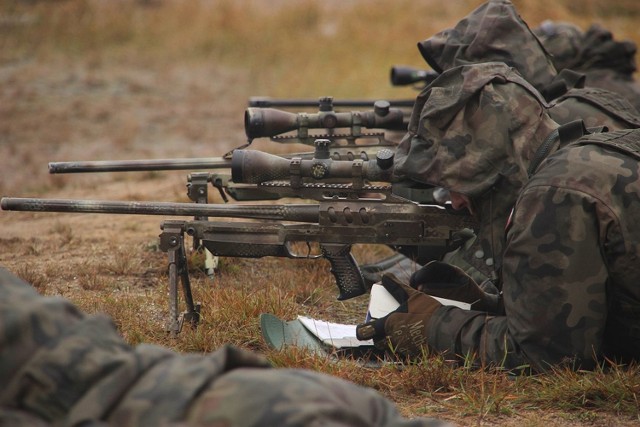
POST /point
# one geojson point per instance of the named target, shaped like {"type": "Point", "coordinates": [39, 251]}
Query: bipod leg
{"type": "Point", "coordinates": [192, 315]}
{"type": "Point", "coordinates": [172, 242]}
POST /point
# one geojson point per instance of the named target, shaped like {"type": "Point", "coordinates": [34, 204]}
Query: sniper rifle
{"type": "Point", "coordinates": [271, 123]}
{"type": "Point", "coordinates": [349, 210]}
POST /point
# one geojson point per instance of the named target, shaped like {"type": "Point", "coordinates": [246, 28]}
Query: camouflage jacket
{"type": "Point", "coordinates": [607, 63]}
{"type": "Point", "coordinates": [476, 128]}
{"type": "Point", "coordinates": [60, 367]}
{"type": "Point", "coordinates": [570, 274]}
{"type": "Point", "coordinates": [480, 130]}
{"type": "Point", "coordinates": [495, 32]}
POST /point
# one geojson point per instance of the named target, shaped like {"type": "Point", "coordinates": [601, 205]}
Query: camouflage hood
{"type": "Point", "coordinates": [492, 32]}
{"type": "Point", "coordinates": [473, 126]}
{"type": "Point", "coordinates": [562, 40]}
{"type": "Point", "coordinates": [592, 50]}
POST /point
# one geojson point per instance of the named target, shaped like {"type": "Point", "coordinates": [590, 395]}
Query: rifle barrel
{"type": "Point", "coordinates": [293, 212]}
{"type": "Point", "coordinates": [139, 165]}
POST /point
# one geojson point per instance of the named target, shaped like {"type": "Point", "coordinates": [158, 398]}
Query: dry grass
{"type": "Point", "coordinates": [93, 80]}
{"type": "Point", "coordinates": [293, 49]}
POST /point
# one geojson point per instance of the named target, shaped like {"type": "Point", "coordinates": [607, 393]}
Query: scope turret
{"type": "Point", "coordinates": [269, 122]}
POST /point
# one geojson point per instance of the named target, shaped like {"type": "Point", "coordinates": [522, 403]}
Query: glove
{"type": "Point", "coordinates": [406, 327]}
{"type": "Point", "coordinates": [448, 281]}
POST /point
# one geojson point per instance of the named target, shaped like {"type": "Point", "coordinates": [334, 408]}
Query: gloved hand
{"type": "Point", "coordinates": [406, 327]}
{"type": "Point", "coordinates": [448, 281]}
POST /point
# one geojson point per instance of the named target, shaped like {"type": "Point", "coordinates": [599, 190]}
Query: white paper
{"type": "Point", "coordinates": [339, 335]}
{"type": "Point", "coordinates": [459, 304]}
{"type": "Point", "coordinates": [383, 303]}
{"type": "Point", "coordinates": [334, 334]}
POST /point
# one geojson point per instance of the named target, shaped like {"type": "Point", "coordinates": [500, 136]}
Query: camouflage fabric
{"type": "Point", "coordinates": [596, 107]}
{"type": "Point", "coordinates": [493, 32]}
{"type": "Point", "coordinates": [463, 135]}
{"type": "Point", "coordinates": [61, 367]}
{"type": "Point", "coordinates": [594, 49]}
{"type": "Point", "coordinates": [570, 273]}
{"type": "Point", "coordinates": [569, 278]}
{"type": "Point", "coordinates": [608, 64]}
{"type": "Point", "coordinates": [562, 40]}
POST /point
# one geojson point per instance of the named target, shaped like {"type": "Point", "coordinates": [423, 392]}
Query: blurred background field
{"type": "Point", "coordinates": [125, 79]}
{"type": "Point", "coordinates": [288, 47]}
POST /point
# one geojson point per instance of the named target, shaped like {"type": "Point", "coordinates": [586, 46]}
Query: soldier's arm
{"type": "Point", "coordinates": [554, 289]}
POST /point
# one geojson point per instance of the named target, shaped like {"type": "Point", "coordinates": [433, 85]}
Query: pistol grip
{"type": "Point", "coordinates": [345, 270]}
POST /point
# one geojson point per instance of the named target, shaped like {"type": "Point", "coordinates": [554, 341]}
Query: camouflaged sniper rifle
{"type": "Point", "coordinates": [354, 203]}
{"type": "Point", "coordinates": [278, 125]}
{"type": "Point", "coordinates": [344, 130]}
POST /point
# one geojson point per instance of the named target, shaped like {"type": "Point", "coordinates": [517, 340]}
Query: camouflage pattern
{"type": "Point", "coordinates": [596, 107]}
{"type": "Point", "coordinates": [608, 64]}
{"type": "Point", "coordinates": [61, 367]}
{"type": "Point", "coordinates": [463, 135]}
{"type": "Point", "coordinates": [569, 281]}
{"type": "Point", "coordinates": [570, 271]}
{"type": "Point", "coordinates": [495, 32]}
{"type": "Point", "coordinates": [562, 40]}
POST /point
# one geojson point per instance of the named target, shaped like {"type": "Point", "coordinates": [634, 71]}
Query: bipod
{"type": "Point", "coordinates": [172, 242]}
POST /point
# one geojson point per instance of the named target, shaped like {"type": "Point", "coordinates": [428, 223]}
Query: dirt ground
{"type": "Point", "coordinates": [66, 112]}
{"type": "Point", "coordinates": [60, 111]}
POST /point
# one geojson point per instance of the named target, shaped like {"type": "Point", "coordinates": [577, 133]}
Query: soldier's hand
{"type": "Point", "coordinates": [448, 281]}
{"type": "Point", "coordinates": [405, 329]}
